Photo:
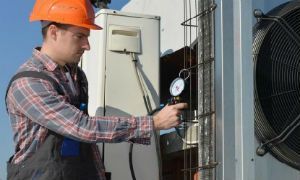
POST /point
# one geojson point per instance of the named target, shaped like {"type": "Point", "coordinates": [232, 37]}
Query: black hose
{"type": "Point", "coordinates": [130, 163]}
{"type": "Point", "coordinates": [131, 147]}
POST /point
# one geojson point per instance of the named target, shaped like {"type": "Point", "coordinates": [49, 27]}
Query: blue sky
{"type": "Point", "coordinates": [18, 37]}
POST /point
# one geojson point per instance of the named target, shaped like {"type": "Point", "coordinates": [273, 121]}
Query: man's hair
{"type": "Point", "coordinates": [59, 25]}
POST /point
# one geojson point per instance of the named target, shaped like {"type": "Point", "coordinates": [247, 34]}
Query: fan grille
{"type": "Point", "coordinates": [276, 70]}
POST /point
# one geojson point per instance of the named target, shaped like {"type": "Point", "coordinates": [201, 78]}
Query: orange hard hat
{"type": "Point", "coordinates": [74, 12]}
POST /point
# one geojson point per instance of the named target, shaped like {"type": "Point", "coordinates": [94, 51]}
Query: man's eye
{"type": "Point", "coordinates": [79, 36]}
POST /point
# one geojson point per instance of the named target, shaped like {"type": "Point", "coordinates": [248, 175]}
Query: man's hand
{"type": "Point", "coordinates": [169, 116]}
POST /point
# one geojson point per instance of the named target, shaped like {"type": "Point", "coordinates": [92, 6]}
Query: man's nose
{"type": "Point", "coordinates": [86, 44]}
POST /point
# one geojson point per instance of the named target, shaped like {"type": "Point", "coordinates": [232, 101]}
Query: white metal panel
{"type": "Point", "coordinates": [114, 88]}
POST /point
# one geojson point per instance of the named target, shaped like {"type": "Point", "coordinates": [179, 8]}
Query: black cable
{"type": "Point", "coordinates": [130, 163]}
{"type": "Point", "coordinates": [131, 147]}
{"type": "Point", "coordinates": [149, 111]}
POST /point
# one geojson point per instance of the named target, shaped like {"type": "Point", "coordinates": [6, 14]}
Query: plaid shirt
{"type": "Point", "coordinates": [34, 106]}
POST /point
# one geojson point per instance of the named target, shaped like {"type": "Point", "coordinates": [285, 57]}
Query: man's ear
{"type": "Point", "coordinates": [52, 32]}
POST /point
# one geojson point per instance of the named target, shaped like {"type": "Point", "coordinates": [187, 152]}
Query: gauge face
{"type": "Point", "coordinates": [177, 86]}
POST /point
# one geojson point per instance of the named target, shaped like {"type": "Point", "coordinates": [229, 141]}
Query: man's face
{"type": "Point", "coordinates": [71, 43]}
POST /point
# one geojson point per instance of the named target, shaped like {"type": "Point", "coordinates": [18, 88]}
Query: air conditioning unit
{"type": "Point", "coordinates": [113, 86]}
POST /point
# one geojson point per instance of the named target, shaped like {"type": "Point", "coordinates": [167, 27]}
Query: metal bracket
{"type": "Point", "coordinates": [263, 148]}
{"type": "Point", "coordinates": [201, 14]}
{"type": "Point", "coordinates": [283, 24]}
{"type": "Point", "coordinates": [211, 165]}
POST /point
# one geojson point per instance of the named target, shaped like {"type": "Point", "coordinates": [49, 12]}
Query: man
{"type": "Point", "coordinates": [47, 120]}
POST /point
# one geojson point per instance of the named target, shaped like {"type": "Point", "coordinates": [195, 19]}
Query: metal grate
{"type": "Point", "coordinates": [276, 55]}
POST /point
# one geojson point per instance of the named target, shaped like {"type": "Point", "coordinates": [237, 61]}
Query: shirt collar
{"type": "Point", "coordinates": [48, 63]}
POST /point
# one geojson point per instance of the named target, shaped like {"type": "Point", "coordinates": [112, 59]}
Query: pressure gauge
{"type": "Point", "coordinates": [177, 86]}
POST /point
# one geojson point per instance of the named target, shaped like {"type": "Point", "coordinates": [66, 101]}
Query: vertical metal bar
{"type": "Point", "coordinates": [234, 90]}
{"type": "Point", "coordinates": [212, 91]}
{"type": "Point", "coordinates": [185, 128]}
{"type": "Point", "coordinates": [206, 146]}
{"type": "Point", "coordinates": [224, 87]}
{"type": "Point", "coordinates": [243, 89]}
{"type": "Point", "coordinates": [190, 55]}
{"type": "Point", "coordinates": [200, 90]}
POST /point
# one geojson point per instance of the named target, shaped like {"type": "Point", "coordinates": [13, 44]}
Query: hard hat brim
{"type": "Point", "coordinates": [92, 26]}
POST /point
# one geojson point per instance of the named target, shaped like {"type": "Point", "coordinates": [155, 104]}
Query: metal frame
{"type": "Point", "coordinates": [234, 90]}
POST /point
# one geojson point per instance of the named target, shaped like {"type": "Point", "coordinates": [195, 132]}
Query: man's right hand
{"type": "Point", "coordinates": [169, 116]}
